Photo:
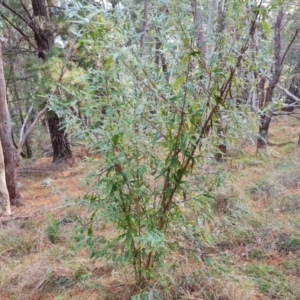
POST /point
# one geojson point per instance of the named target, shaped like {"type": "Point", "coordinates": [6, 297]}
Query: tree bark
{"type": "Point", "coordinates": [144, 26]}
{"type": "Point", "coordinates": [11, 155]}
{"type": "Point", "coordinates": [157, 51]}
{"type": "Point", "coordinates": [265, 119]}
{"type": "Point", "coordinates": [43, 28]}
{"type": "Point", "coordinates": [4, 196]}
{"type": "Point", "coordinates": [294, 87]}
{"type": "Point", "coordinates": [29, 138]}
{"type": "Point", "coordinates": [262, 139]}
{"type": "Point", "coordinates": [221, 127]}
{"type": "Point", "coordinates": [198, 30]}
{"type": "Point", "coordinates": [210, 23]}
{"type": "Point", "coordinates": [59, 141]}
{"type": "Point", "coordinates": [160, 56]}
{"type": "Point", "coordinates": [28, 153]}
{"type": "Point", "coordinates": [44, 38]}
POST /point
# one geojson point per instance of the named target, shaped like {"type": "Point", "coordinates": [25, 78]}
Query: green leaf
{"type": "Point", "coordinates": [189, 124]}
{"type": "Point", "coordinates": [96, 116]}
{"type": "Point", "coordinates": [213, 60]}
{"type": "Point", "coordinates": [185, 58]}
{"type": "Point", "coordinates": [266, 27]}
{"type": "Point", "coordinates": [115, 139]}
{"type": "Point", "coordinates": [208, 196]}
{"type": "Point", "coordinates": [232, 60]}
{"type": "Point", "coordinates": [90, 231]}
{"type": "Point", "coordinates": [177, 83]}
{"type": "Point", "coordinates": [93, 35]}
{"type": "Point", "coordinates": [108, 62]}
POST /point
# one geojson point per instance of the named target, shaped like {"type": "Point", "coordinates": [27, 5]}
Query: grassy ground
{"type": "Point", "coordinates": [253, 253]}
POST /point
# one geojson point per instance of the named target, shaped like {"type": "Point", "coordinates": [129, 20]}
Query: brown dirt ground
{"type": "Point", "coordinates": [44, 183]}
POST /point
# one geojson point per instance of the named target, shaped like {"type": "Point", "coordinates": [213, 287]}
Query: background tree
{"type": "Point", "coordinates": [4, 196]}
{"type": "Point", "coordinates": [294, 88]}
{"type": "Point", "coordinates": [158, 137]}
{"type": "Point", "coordinates": [267, 97]}
{"type": "Point", "coordinates": [44, 37]}
{"type": "Point", "coordinates": [11, 155]}
{"type": "Point", "coordinates": [34, 18]}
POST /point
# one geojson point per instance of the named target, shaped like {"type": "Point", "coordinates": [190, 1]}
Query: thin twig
{"type": "Point", "coordinates": [24, 124]}
{"type": "Point", "coordinates": [17, 14]}
{"type": "Point", "coordinates": [27, 133]}
{"type": "Point", "coordinates": [289, 94]}
{"type": "Point", "coordinates": [18, 29]}
{"type": "Point", "coordinates": [289, 45]}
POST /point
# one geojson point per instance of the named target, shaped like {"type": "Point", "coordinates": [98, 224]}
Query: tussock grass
{"type": "Point", "coordinates": [271, 281]}
{"type": "Point", "coordinates": [288, 204]}
{"type": "Point", "coordinates": [40, 272]}
{"type": "Point", "coordinates": [15, 242]}
{"type": "Point", "coordinates": [52, 230]}
{"type": "Point", "coordinates": [285, 175]}
{"type": "Point", "coordinates": [193, 286]}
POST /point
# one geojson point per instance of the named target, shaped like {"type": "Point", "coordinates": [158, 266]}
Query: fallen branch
{"type": "Point", "coordinates": [280, 144]}
{"type": "Point", "coordinates": [25, 217]}
{"type": "Point", "coordinates": [31, 170]}
{"type": "Point", "coordinates": [3, 221]}
{"type": "Point", "coordinates": [290, 95]}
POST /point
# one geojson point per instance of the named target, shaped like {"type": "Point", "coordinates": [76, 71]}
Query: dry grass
{"type": "Point", "coordinates": [252, 251]}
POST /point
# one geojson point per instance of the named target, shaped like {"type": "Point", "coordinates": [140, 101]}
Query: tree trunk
{"type": "Point", "coordinates": [160, 56]}
{"type": "Point", "coordinates": [28, 141]}
{"type": "Point", "coordinates": [294, 87]}
{"type": "Point", "coordinates": [262, 139]}
{"type": "Point", "coordinates": [210, 35]}
{"type": "Point", "coordinates": [28, 146]}
{"type": "Point", "coordinates": [44, 37]}
{"type": "Point", "coordinates": [144, 26]}
{"type": "Point", "coordinates": [43, 28]}
{"type": "Point", "coordinates": [157, 51]}
{"type": "Point", "coordinates": [59, 141]}
{"type": "Point", "coordinates": [265, 119]}
{"type": "Point", "coordinates": [221, 127]}
{"type": "Point", "coordinates": [4, 196]}
{"type": "Point", "coordinates": [197, 15]}
{"type": "Point", "coordinates": [28, 153]}
{"type": "Point", "coordinates": [11, 156]}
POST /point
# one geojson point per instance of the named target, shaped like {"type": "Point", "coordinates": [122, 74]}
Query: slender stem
{"type": "Point", "coordinates": [17, 14]}
{"type": "Point", "coordinates": [18, 29]}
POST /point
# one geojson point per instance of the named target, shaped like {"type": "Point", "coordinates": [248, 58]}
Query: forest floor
{"type": "Point", "coordinates": [253, 253]}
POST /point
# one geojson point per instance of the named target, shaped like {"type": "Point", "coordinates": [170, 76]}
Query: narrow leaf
{"type": "Point", "coordinates": [177, 83]}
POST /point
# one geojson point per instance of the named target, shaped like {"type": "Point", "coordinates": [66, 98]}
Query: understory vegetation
{"type": "Point", "coordinates": [150, 149]}
{"type": "Point", "coordinates": [247, 249]}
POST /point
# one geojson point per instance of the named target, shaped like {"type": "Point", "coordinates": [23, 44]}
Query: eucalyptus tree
{"type": "Point", "coordinates": [290, 77]}
{"type": "Point", "coordinates": [16, 52]}
{"type": "Point", "coordinates": [267, 99]}
{"type": "Point", "coordinates": [34, 17]}
{"type": "Point", "coordinates": [10, 153]}
{"type": "Point", "coordinates": [44, 31]}
{"type": "Point", "coordinates": [161, 127]}
{"type": "Point", "coordinates": [294, 88]}
{"type": "Point", "coordinates": [4, 195]}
